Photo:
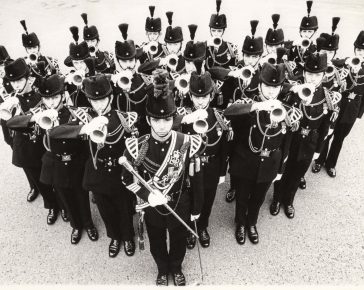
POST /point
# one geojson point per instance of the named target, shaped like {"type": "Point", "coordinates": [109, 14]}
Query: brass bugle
{"type": "Point", "coordinates": [92, 49]}
{"type": "Point", "coordinates": [182, 83]}
{"type": "Point", "coordinates": [7, 107]}
{"type": "Point", "coordinates": [200, 126]}
{"type": "Point", "coordinates": [33, 57]}
{"type": "Point", "coordinates": [306, 92]}
{"type": "Point", "coordinates": [78, 77]}
{"type": "Point", "coordinates": [355, 62]}
{"type": "Point", "coordinates": [305, 43]}
{"type": "Point", "coordinates": [330, 70]}
{"type": "Point", "coordinates": [278, 114]}
{"type": "Point", "coordinates": [153, 47]}
{"type": "Point", "coordinates": [247, 73]}
{"type": "Point", "coordinates": [172, 61]}
{"type": "Point", "coordinates": [217, 41]}
{"type": "Point", "coordinates": [48, 119]}
{"type": "Point", "coordinates": [98, 135]}
{"type": "Point", "coordinates": [124, 80]}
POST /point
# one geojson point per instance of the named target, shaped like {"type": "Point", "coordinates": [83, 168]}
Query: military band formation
{"type": "Point", "coordinates": [151, 131]}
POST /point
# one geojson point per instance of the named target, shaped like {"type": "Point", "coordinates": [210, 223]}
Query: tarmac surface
{"type": "Point", "coordinates": [322, 245]}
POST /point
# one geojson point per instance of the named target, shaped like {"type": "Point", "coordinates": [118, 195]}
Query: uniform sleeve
{"type": "Point", "coordinates": [148, 67]}
{"type": "Point", "coordinates": [20, 123]}
{"type": "Point", "coordinates": [224, 150]}
{"type": "Point", "coordinates": [219, 73]}
{"type": "Point", "coordinates": [6, 133]}
{"type": "Point", "coordinates": [67, 131]}
{"type": "Point", "coordinates": [237, 110]}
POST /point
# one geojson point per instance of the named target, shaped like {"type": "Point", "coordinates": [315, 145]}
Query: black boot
{"type": "Point", "coordinates": [204, 238]}
{"type": "Point", "coordinates": [331, 172]}
{"type": "Point", "coordinates": [302, 184]}
{"type": "Point", "coordinates": [92, 233]}
{"type": "Point", "coordinates": [129, 248]}
{"type": "Point", "coordinates": [64, 216]}
{"type": "Point", "coordinates": [191, 241]}
{"type": "Point", "coordinates": [253, 234]}
{"type": "Point", "coordinates": [230, 195]}
{"type": "Point", "coordinates": [316, 167]}
{"type": "Point", "coordinates": [114, 248]}
{"type": "Point", "coordinates": [76, 236]}
{"type": "Point", "coordinates": [52, 216]}
{"type": "Point", "coordinates": [240, 234]}
{"type": "Point", "coordinates": [32, 195]}
{"type": "Point", "coordinates": [162, 280]}
{"type": "Point", "coordinates": [289, 211]}
{"type": "Point", "coordinates": [179, 279]}
{"type": "Point", "coordinates": [275, 207]}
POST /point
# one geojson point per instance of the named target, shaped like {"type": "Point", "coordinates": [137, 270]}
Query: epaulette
{"type": "Point", "coordinates": [293, 116]}
{"type": "Point", "coordinates": [343, 73]}
{"type": "Point", "coordinates": [233, 49]}
{"type": "Point", "coordinates": [132, 145]}
{"type": "Point", "coordinates": [196, 142]}
{"type": "Point", "coordinates": [80, 113]}
{"type": "Point", "coordinates": [181, 111]}
{"type": "Point", "coordinates": [332, 98]}
{"type": "Point", "coordinates": [220, 119]}
{"type": "Point", "coordinates": [127, 119]}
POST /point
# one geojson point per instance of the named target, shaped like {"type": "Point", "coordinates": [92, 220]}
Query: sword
{"type": "Point", "coordinates": [124, 162]}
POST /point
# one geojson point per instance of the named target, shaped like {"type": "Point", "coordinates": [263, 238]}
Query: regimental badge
{"type": "Point", "coordinates": [176, 159]}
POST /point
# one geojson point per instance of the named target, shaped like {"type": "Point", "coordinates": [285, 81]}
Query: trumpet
{"type": "Point", "coordinates": [305, 92]}
{"type": "Point", "coordinates": [124, 79]}
{"type": "Point", "coordinates": [77, 77]}
{"type": "Point", "coordinates": [217, 41]}
{"type": "Point", "coordinates": [278, 113]}
{"type": "Point", "coordinates": [269, 58]}
{"type": "Point", "coordinates": [354, 62]}
{"type": "Point", "coordinates": [7, 107]}
{"type": "Point", "coordinates": [200, 126]}
{"type": "Point", "coordinates": [48, 119]}
{"type": "Point", "coordinates": [33, 57]}
{"type": "Point", "coordinates": [152, 47]}
{"type": "Point", "coordinates": [172, 61]}
{"type": "Point", "coordinates": [92, 50]}
{"type": "Point", "coordinates": [182, 83]}
{"type": "Point", "coordinates": [98, 135]}
{"type": "Point", "coordinates": [305, 43]}
{"type": "Point", "coordinates": [330, 70]}
{"type": "Point", "coordinates": [247, 73]}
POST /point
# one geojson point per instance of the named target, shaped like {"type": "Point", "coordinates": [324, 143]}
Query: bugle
{"type": "Point", "coordinates": [182, 83]}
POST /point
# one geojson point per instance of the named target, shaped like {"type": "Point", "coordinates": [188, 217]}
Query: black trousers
{"type": "Point", "coordinates": [31, 183]}
{"type": "Point", "coordinates": [325, 149]}
{"type": "Point", "coordinates": [211, 172]}
{"type": "Point", "coordinates": [47, 192]}
{"type": "Point", "coordinates": [167, 261]}
{"type": "Point", "coordinates": [116, 214]}
{"type": "Point", "coordinates": [250, 196]}
{"type": "Point", "coordinates": [77, 204]}
{"type": "Point", "coordinates": [340, 133]}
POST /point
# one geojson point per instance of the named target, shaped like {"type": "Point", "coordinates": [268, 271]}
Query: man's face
{"type": "Point", "coordinates": [273, 48]}
{"type": "Point", "coordinates": [251, 59]}
{"type": "Point", "coordinates": [216, 32]}
{"type": "Point", "coordinates": [174, 48]}
{"type": "Point", "coordinates": [314, 78]}
{"type": "Point", "coordinates": [19, 85]}
{"type": "Point", "coordinates": [359, 52]}
{"type": "Point", "coordinates": [330, 54]}
{"type": "Point", "coordinates": [100, 105]}
{"type": "Point", "coordinates": [34, 49]}
{"type": "Point", "coordinates": [52, 102]}
{"type": "Point", "coordinates": [161, 127]}
{"type": "Point", "coordinates": [79, 65]}
{"type": "Point", "coordinates": [152, 36]}
{"type": "Point", "coordinates": [270, 92]}
{"type": "Point", "coordinates": [201, 102]}
{"type": "Point", "coordinates": [127, 64]}
{"type": "Point", "coordinates": [307, 33]}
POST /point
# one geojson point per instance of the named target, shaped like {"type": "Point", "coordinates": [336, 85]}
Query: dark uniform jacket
{"type": "Point", "coordinates": [225, 56]}
{"type": "Point", "coordinates": [163, 165]}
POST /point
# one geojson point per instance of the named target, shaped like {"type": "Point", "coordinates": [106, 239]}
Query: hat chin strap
{"type": "Point", "coordinates": [108, 106]}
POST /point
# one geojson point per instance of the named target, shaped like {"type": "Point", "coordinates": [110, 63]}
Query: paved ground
{"type": "Point", "coordinates": [322, 245]}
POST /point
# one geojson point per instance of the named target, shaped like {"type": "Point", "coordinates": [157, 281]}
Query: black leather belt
{"type": "Point", "coordinates": [108, 162]}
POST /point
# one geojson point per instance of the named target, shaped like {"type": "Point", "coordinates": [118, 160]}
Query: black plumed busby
{"type": "Point", "coordinates": [29, 39]}
{"type": "Point", "coordinates": [272, 75]}
{"type": "Point", "coordinates": [359, 42]}
{"type": "Point", "coordinates": [51, 86]}
{"type": "Point", "coordinates": [201, 84]}
{"type": "Point", "coordinates": [218, 21]}
{"type": "Point", "coordinates": [194, 50]}
{"type": "Point", "coordinates": [153, 24]}
{"type": "Point", "coordinates": [316, 62]}
{"type": "Point", "coordinates": [97, 87]}
{"type": "Point", "coordinates": [274, 36]}
{"type": "Point", "coordinates": [173, 34]}
{"type": "Point", "coordinates": [309, 22]}
{"type": "Point", "coordinates": [253, 45]}
{"type": "Point", "coordinates": [89, 32]}
{"type": "Point", "coordinates": [161, 103]}
{"type": "Point", "coordinates": [125, 50]}
{"type": "Point", "coordinates": [331, 40]}
{"type": "Point", "coordinates": [77, 51]}
{"type": "Point", "coordinates": [16, 70]}
{"type": "Point", "coordinates": [4, 55]}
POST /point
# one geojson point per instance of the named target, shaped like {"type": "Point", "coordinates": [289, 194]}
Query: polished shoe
{"type": "Point", "coordinates": [129, 248]}
{"type": "Point", "coordinates": [92, 233]}
{"type": "Point", "coordinates": [32, 195]}
{"type": "Point", "coordinates": [52, 216]}
{"type": "Point", "coordinates": [64, 216]}
{"type": "Point", "coordinates": [253, 234]}
{"type": "Point", "coordinates": [316, 167]}
{"type": "Point", "coordinates": [114, 248]}
{"type": "Point", "coordinates": [302, 184]}
{"type": "Point", "coordinates": [162, 280]}
{"type": "Point", "coordinates": [76, 236]}
{"type": "Point", "coordinates": [179, 279]}
{"type": "Point", "coordinates": [191, 241]}
{"type": "Point", "coordinates": [289, 211]}
{"type": "Point", "coordinates": [275, 207]}
{"type": "Point", "coordinates": [240, 234]}
{"type": "Point", "coordinates": [204, 238]}
{"type": "Point", "coordinates": [230, 195]}
{"type": "Point", "coordinates": [331, 172]}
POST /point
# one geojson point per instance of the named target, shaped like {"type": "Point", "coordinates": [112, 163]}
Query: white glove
{"type": "Point", "coordinates": [163, 61]}
{"type": "Point", "coordinates": [194, 217]}
{"type": "Point", "coordinates": [8, 103]}
{"type": "Point", "coordinates": [69, 78]}
{"type": "Point", "coordinates": [278, 177]}
{"type": "Point", "coordinates": [316, 156]}
{"type": "Point", "coordinates": [156, 198]}
{"type": "Point", "coordinates": [95, 123]}
{"type": "Point", "coordinates": [221, 179]}
{"type": "Point", "coordinates": [199, 114]}
{"type": "Point", "coordinates": [235, 73]}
